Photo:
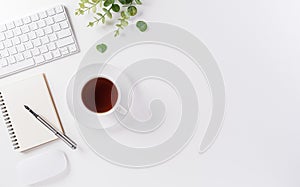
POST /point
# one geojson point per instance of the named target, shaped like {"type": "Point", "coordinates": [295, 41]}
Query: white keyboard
{"type": "Point", "coordinates": [35, 40]}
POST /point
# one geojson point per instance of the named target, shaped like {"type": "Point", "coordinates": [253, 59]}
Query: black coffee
{"type": "Point", "coordinates": [99, 95]}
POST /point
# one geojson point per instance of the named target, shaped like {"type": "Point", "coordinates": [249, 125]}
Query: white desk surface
{"type": "Point", "coordinates": [256, 44]}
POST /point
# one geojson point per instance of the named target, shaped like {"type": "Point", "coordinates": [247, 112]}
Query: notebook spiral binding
{"type": "Point", "coordinates": [8, 123]}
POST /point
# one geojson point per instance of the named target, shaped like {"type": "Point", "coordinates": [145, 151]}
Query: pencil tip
{"type": "Point", "coordinates": [27, 108]}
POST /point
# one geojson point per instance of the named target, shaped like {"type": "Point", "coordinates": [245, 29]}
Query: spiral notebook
{"type": "Point", "coordinates": [25, 132]}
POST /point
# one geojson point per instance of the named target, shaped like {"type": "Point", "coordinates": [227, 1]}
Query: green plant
{"type": "Point", "coordinates": [104, 9]}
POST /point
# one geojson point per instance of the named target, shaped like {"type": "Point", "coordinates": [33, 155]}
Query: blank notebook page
{"type": "Point", "coordinates": [34, 93]}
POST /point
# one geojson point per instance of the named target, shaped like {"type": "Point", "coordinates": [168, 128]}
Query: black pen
{"type": "Point", "coordinates": [62, 136]}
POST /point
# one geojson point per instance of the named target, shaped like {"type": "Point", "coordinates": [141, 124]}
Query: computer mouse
{"type": "Point", "coordinates": [41, 167]}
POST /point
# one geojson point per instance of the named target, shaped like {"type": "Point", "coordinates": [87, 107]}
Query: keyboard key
{"type": "Point", "coordinates": [59, 9]}
{"type": "Point", "coordinates": [56, 27]}
{"type": "Point", "coordinates": [19, 22]}
{"type": "Point", "coordinates": [16, 40]}
{"type": "Point", "coordinates": [52, 37]}
{"type": "Point", "coordinates": [43, 49]}
{"type": "Point", "coordinates": [12, 50]}
{"type": "Point", "coordinates": [33, 26]}
{"type": "Point", "coordinates": [51, 12]}
{"type": "Point", "coordinates": [2, 36]}
{"type": "Point", "coordinates": [56, 53]}
{"type": "Point", "coordinates": [26, 20]}
{"type": "Point", "coordinates": [19, 57]}
{"type": "Point", "coordinates": [3, 62]}
{"type": "Point", "coordinates": [48, 30]}
{"type": "Point", "coordinates": [10, 25]}
{"type": "Point", "coordinates": [20, 48]}
{"type": "Point", "coordinates": [7, 43]}
{"type": "Point", "coordinates": [40, 32]}
{"type": "Point", "coordinates": [64, 51]}
{"type": "Point", "coordinates": [9, 34]}
{"type": "Point", "coordinates": [37, 42]}
{"type": "Point", "coordinates": [27, 54]}
{"type": "Point", "coordinates": [4, 53]}
{"type": "Point", "coordinates": [35, 17]}
{"type": "Point", "coordinates": [64, 33]}
{"type": "Point", "coordinates": [41, 23]}
{"type": "Point", "coordinates": [32, 35]}
{"type": "Point", "coordinates": [72, 48]}
{"type": "Point", "coordinates": [25, 29]}
{"type": "Point", "coordinates": [49, 21]}
{"type": "Point", "coordinates": [45, 40]}
{"type": "Point", "coordinates": [35, 52]}
{"type": "Point", "coordinates": [28, 45]}
{"type": "Point", "coordinates": [29, 62]}
{"type": "Point", "coordinates": [17, 31]}
{"type": "Point", "coordinates": [65, 41]}
{"type": "Point", "coordinates": [51, 46]}
{"type": "Point", "coordinates": [39, 59]}
{"type": "Point", "coordinates": [59, 17]}
{"type": "Point", "coordinates": [48, 56]}
{"type": "Point", "coordinates": [3, 28]}
{"type": "Point", "coordinates": [43, 15]}
{"type": "Point", "coordinates": [11, 60]}
{"type": "Point", "coordinates": [24, 38]}
{"type": "Point", "coordinates": [64, 24]}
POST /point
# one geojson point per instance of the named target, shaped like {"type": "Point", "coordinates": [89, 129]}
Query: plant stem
{"type": "Point", "coordinates": [89, 8]}
{"type": "Point", "coordinates": [99, 19]}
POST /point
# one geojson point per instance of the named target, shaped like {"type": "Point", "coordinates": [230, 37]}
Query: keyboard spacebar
{"type": "Point", "coordinates": [16, 67]}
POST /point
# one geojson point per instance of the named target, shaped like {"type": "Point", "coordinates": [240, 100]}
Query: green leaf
{"type": "Point", "coordinates": [84, 1]}
{"type": "Point", "coordinates": [138, 2]}
{"type": "Point", "coordinates": [115, 7]}
{"type": "Point", "coordinates": [108, 2]}
{"type": "Point", "coordinates": [99, 14]}
{"type": "Point", "coordinates": [117, 32]}
{"type": "Point", "coordinates": [123, 2]}
{"type": "Point", "coordinates": [123, 15]}
{"type": "Point", "coordinates": [124, 23]}
{"type": "Point", "coordinates": [103, 20]}
{"type": "Point", "coordinates": [81, 5]}
{"type": "Point", "coordinates": [94, 9]}
{"type": "Point", "coordinates": [132, 10]}
{"type": "Point", "coordinates": [105, 10]}
{"type": "Point", "coordinates": [109, 15]}
{"type": "Point", "coordinates": [142, 26]}
{"type": "Point", "coordinates": [119, 26]}
{"type": "Point", "coordinates": [91, 24]}
{"type": "Point", "coordinates": [101, 48]}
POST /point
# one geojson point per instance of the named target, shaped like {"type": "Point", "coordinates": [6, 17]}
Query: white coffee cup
{"type": "Point", "coordinates": [102, 96]}
{"type": "Point", "coordinates": [90, 118]}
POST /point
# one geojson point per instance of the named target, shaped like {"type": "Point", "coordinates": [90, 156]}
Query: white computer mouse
{"type": "Point", "coordinates": [41, 167]}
